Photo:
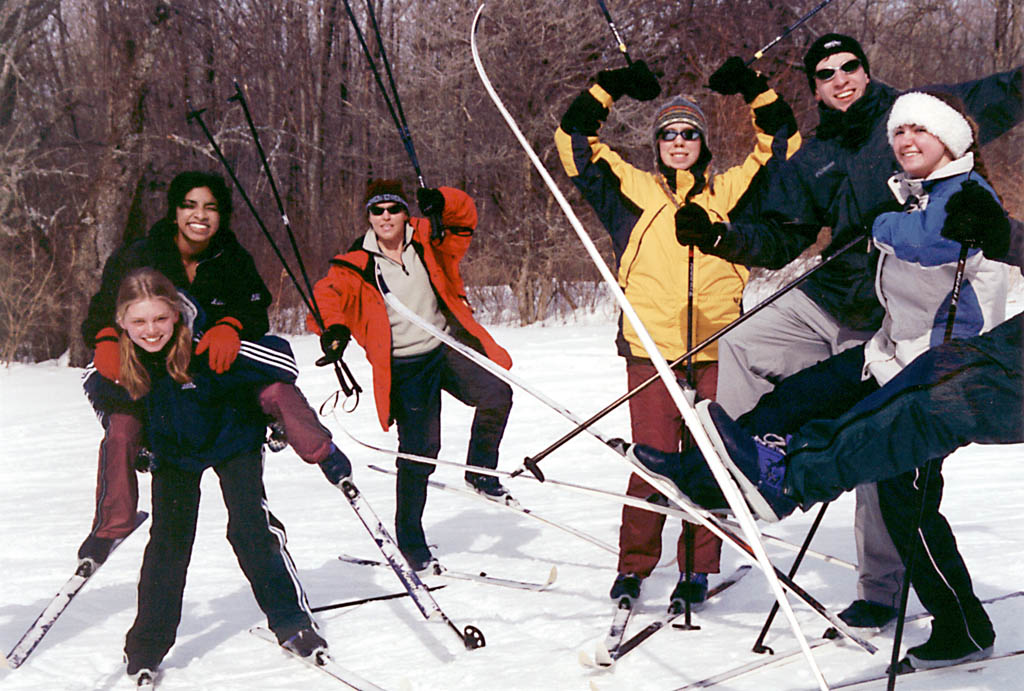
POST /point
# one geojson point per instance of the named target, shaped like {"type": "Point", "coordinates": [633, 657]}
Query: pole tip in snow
{"type": "Point", "coordinates": [534, 467]}
{"type": "Point", "coordinates": [473, 638]}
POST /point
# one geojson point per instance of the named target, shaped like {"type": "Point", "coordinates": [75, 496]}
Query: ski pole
{"type": "Point", "coordinates": [688, 529]}
{"type": "Point", "coordinates": [929, 468]}
{"type": "Point", "coordinates": [615, 32]}
{"type": "Point", "coordinates": [372, 598]}
{"type": "Point", "coordinates": [787, 31]}
{"type": "Point", "coordinates": [341, 370]}
{"type": "Point", "coordinates": [532, 462]}
{"type": "Point", "coordinates": [759, 646]}
{"type": "Point", "coordinates": [197, 115]}
{"type": "Point", "coordinates": [395, 108]}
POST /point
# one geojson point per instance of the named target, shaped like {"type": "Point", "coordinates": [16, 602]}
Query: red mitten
{"type": "Point", "coordinates": [223, 342]}
{"type": "Point", "coordinates": [107, 356]}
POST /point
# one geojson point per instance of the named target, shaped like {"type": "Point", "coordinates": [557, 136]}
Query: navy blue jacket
{"type": "Point", "coordinates": [838, 180]}
{"type": "Point", "coordinates": [213, 418]}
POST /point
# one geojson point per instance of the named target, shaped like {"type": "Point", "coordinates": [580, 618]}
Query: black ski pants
{"type": "Point", "coordinates": [257, 539]}
{"type": "Point", "coordinates": [416, 385]}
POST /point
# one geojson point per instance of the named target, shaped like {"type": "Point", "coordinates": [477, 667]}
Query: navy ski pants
{"type": "Point", "coordinates": [256, 537]}
{"type": "Point", "coordinates": [416, 385]}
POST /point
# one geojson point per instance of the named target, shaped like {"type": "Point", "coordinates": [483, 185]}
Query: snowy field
{"type": "Point", "coordinates": [50, 438]}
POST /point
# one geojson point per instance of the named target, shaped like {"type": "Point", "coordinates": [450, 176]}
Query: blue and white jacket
{"type": "Point", "coordinates": [916, 271]}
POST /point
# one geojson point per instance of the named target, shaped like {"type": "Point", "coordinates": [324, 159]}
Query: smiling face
{"type": "Point", "coordinates": [389, 225]}
{"type": "Point", "coordinates": [149, 322]}
{"type": "Point", "coordinates": [198, 219]}
{"type": "Point", "coordinates": [843, 88]}
{"type": "Point", "coordinates": [918, 151]}
{"type": "Point", "coordinates": [680, 153]}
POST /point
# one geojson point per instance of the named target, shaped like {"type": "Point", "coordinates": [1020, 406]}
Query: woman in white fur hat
{"type": "Point", "coordinates": [934, 144]}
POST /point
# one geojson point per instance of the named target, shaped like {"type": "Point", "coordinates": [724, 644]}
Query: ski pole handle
{"type": "Point", "coordinates": [615, 32]}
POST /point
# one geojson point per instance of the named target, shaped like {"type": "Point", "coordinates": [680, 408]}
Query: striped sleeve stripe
{"type": "Point", "coordinates": [269, 356]}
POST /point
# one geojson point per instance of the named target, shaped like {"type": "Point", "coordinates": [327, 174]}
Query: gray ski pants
{"type": "Point", "coordinates": [790, 335]}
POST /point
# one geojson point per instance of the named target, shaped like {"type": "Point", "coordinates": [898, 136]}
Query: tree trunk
{"type": "Point", "coordinates": [100, 224]}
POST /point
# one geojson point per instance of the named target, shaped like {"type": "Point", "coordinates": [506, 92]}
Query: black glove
{"type": "Point", "coordinates": [974, 217]}
{"type": "Point", "coordinates": [333, 341]}
{"type": "Point", "coordinates": [336, 467]}
{"type": "Point", "coordinates": [584, 116]}
{"type": "Point", "coordinates": [145, 460]}
{"type": "Point", "coordinates": [734, 77]}
{"type": "Point", "coordinates": [430, 201]}
{"type": "Point", "coordinates": [694, 227]}
{"type": "Point", "coordinates": [637, 81]}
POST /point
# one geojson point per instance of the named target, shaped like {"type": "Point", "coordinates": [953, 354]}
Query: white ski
{"type": "Point", "coordinates": [48, 617]}
{"type": "Point", "coordinates": [700, 436]}
{"type": "Point", "coordinates": [784, 657]}
{"type": "Point", "coordinates": [481, 577]}
{"type": "Point", "coordinates": [322, 662]}
{"type": "Point", "coordinates": [964, 668]}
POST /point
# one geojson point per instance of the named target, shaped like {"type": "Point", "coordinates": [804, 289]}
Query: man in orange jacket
{"type": "Point", "coordinates": [411, 366]}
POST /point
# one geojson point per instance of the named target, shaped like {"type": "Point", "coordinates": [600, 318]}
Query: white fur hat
{"type": "Point", "coordinates": [936, 116]}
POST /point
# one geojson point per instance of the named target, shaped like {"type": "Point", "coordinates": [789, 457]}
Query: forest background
{"type": "Point", "coordinates": [94, 96]}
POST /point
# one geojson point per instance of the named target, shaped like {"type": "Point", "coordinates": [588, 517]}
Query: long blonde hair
{"type": "Point", "coordinates": [150, 284]}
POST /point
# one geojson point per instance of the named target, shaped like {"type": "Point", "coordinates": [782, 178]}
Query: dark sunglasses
{"type": "Point", "coordinates": [378, 210]}
{"type": "Point", "coordinates": [688, 135]}
{"type": "Point", "coordinates": [850, 66]}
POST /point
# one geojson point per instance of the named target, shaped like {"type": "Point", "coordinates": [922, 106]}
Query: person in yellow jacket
{"type": "Point", "coordinates": [640, 210]}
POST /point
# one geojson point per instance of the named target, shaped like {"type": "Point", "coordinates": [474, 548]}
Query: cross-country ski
{"type": "Point", "coordinates": [436, 569]}
{"type": "Point", "coordinates": [606, 656]}
{"type": "Point", "coordinates": [48, 617]}
{"type": "Point", "coordinates": [321, 662]}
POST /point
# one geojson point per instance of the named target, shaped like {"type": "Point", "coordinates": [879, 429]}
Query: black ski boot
{"type": "Point", "coordinates": [865, 614]}
{"type": "Point", "coordinates": [489, 487]}
{"type": "Point", "coordinates": [694, 591]}
{"type": "Point", "coordinates": [305, 642]}
{"type": "Point", "coordinates": [626, 585]}
{"type": "Point", "coordinates": [946, 646]}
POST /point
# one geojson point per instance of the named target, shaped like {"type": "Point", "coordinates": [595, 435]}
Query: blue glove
{"type": "Point", "coordinates": [336, 466]}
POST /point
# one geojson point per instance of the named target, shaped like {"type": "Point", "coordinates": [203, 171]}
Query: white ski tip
{"type": "Point", "coordinates": [552, 577]}
{"type": "Point", "coordinates": [5, 664]}
{"type": "Point", "coordinates": [602, 657]}
{"type": "Point", "coordinates": [585, 659]}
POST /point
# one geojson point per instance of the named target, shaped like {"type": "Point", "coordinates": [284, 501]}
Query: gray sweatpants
{"type": "Point", "coordinates": [787, 336]}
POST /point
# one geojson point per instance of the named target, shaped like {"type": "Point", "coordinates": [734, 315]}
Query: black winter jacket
{"type": "Point", "coordinates": [838, 180]}
{"type": "Point", "coordinates": [226, 283]}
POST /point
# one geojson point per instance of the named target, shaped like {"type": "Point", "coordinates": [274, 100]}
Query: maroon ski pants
{"type": "Point", "coordinates": [657, 422]}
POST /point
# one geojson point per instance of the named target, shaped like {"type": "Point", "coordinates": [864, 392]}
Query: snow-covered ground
{"type": "Point", "coordinates": [49, 446]}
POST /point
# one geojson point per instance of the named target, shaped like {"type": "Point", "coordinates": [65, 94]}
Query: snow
{"type": "Point", "coordinates": [533, 638]}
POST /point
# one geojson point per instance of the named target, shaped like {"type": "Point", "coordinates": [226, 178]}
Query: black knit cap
{"type": "Point", "coordinates": [830, 44]}
{"type": "Point", "coordinates": [384, 190]}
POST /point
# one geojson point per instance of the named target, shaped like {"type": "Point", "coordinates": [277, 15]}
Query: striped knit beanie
{"type": "Point", "coordinates": [681, 109]}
